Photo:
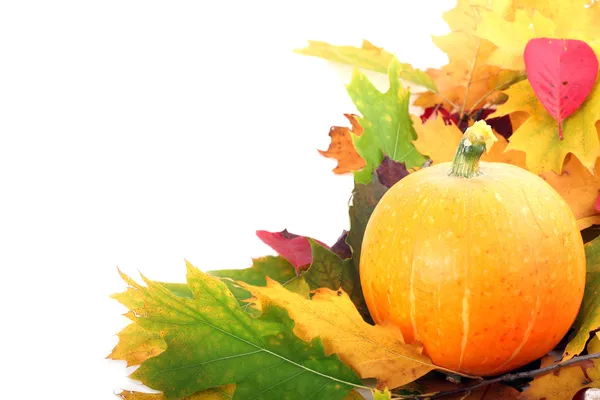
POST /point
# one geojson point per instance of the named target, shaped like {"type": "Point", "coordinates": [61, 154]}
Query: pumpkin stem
{"type": "Point", "coordinates": [476, 139]}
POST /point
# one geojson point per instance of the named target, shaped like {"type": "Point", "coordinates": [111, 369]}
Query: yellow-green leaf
{"type": "Point", "coordinates": [538, 135]}
{"type": "Point", "coordinates": [212, 342]}
{"type": "Point", "coordinates": [588, 319]}
{"type": "Point", "coordinates": [387, 126]}
{"type": "Point", "coordinates": [372, 351]}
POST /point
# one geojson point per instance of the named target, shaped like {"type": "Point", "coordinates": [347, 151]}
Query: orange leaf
{"type": "Point", "coordinates": [342, 148]}
{"type": "Point", "coordinates": [579, 188]}
{"type": "Point", "coordinates": [467, 81]}
{"type": "Point", "coordinates": [439, 141]}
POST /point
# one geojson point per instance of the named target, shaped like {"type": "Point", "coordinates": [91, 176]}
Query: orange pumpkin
{"type": "Point", "coordinates": [481, 263]}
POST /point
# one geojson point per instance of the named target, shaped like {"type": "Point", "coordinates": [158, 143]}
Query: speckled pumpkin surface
{"type": "Point", "coordinates": [487, 272]}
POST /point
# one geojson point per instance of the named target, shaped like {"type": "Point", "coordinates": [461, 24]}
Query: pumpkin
{"type": "Point", "coordinates": [482, 263]}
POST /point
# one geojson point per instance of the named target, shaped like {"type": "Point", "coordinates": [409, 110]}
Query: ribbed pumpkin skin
{"type": "Point", "coordinates": [487, 273]}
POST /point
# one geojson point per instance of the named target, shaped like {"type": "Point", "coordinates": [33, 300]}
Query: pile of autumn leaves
{"type": "Point", "coordinates": [295, 326]}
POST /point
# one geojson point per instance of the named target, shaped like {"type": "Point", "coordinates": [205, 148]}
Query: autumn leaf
{"type": "Point", "coordinates": [372, 351]}
{"type": "Point", "coordinates": [387, 126]}
{"type": "Point", "coordinates": [382, 395]}
{"type": "Point", "coordinates": [342, 147]}
{"type": "Point", "coordinates": [588, 319]}
{"type": "Point", "coordinates": [364, 199]}
{"type": "Point", "coordinates": [538, 138]}
{"type": "Point", "coordinates": [292, 247]}
{"type": "Point", "coordinates": [439, 141]}
{"type": "Point", "coordinates": [330, 271]}
{"type": "Point", "coordinates": [390, 172]}
{"type": "Point", "coordinates": [579, 188]}
{"type": "Point", "coordinates": [220, 393]}
{"type": "Point", "coordinates": [435, 386]}
{"type": "Point", "coordinates": [137, 344]}
{"type": "Point", "coordinates": [211, 342]}
{"type": "Point", "coordinates": [510, 26]}
{"type": "Point", "coordinates": [562, 72]}
{"type": "Point", "coordinates": [368, 56]}
{"type": "Point", "coordinates": [467, 82]}
{"type": "Point", "coordinates": [277, 268]}
{"type": "Point", "coordinates": [563, 383]}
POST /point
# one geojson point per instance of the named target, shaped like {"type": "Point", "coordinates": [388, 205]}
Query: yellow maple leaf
{"type": "Point", "coordinates": [511, 26]}
{"type": "Point", "coordinates": [538, 135]}
{"type": "Point", "coordinates": [372, 351]}
{"type": "Point", "coordinates": [467, 81]}
{"type": "Point", "coordinates": [342, 148]}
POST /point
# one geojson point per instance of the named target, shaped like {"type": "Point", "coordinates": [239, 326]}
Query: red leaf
{"type": "Point", "coordinates": [294, 248]}
{"type": "Point", "coordinates": [562, 72]}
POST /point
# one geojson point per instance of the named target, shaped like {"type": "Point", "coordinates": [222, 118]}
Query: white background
{"type": "Point", "coordinates": [138, 134]}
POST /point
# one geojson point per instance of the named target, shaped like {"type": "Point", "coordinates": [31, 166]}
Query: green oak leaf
{"type": "Point", "coordinates": [328, 270]}
{"type": "Point", "coordinates": [370, 57]}
{"type": "Point", "coordinates": [588, 319]}
{"type": "Point", "coordinates": [212, 342]}
{"type": "Point", "coordinates": [364, 200]}
{"type": "Point", "coordinates": [388, 129]}
{"type": "Point", "coordinates": [276, 268]}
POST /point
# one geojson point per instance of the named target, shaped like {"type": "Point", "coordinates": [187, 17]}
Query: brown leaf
{"type": "Point", "coordinates": [390, 172]}
{"type": "Point", "coordinates": [562, 383]}
{"type": "Point", "coordinates": [342, 147]}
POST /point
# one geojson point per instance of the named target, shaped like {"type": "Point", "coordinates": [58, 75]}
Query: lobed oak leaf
{"type": "Point", "coordinates": [277, 268]}
{"type": "Point", "coordinates": [385, 119]}
{"type": "Point", "coordinates": [137, 344]}
{"type": "Point", "coordinates": [372, 351]}
{"type": "Point", "coordinates": [538, 138]}
{"type": "Point", "coordinates": [342, 147]}
{"type": "Point", "coordinates": [368, 56]}
{"type": "Point", "coordinates": [212, 342]}
{"type": "Point", "coordinates": [588, 319]}
{"type": "Point", "coordinates": [564, 383]}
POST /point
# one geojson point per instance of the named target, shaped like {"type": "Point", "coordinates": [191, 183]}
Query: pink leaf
{"type": "Point", "coordinates": [294, 248]}
{"type": "Point", "coordinates": [562, 72]}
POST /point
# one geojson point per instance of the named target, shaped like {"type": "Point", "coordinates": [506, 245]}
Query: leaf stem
{"type": "Point", "coordinates": [503, 378]}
